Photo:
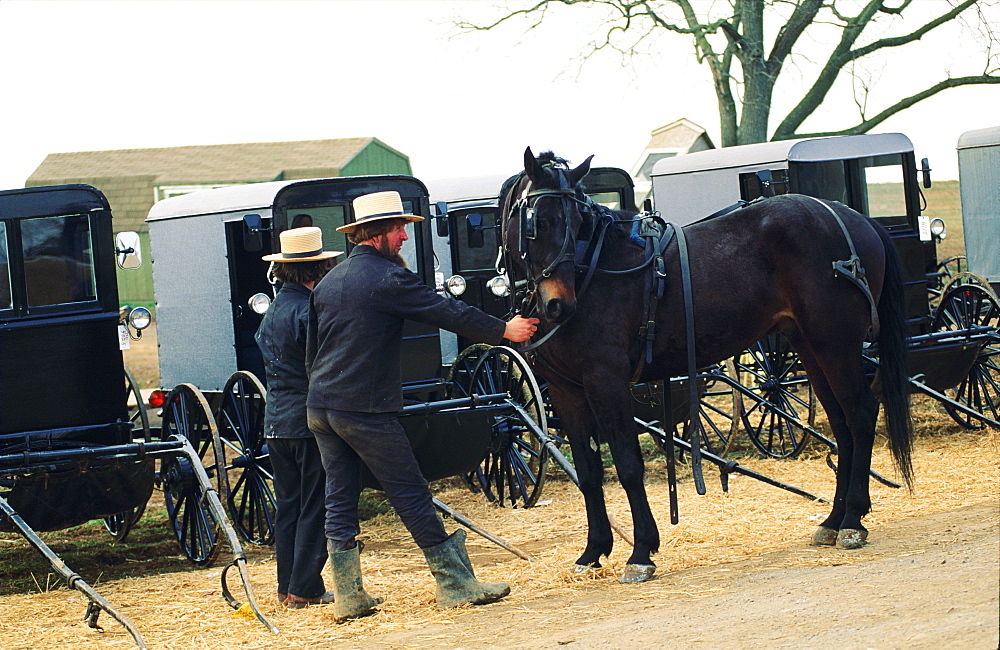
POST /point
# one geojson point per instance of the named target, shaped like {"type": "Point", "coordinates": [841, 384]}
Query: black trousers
{"type": "Point", "coordinates": [346, 440]}
{"type": "Point", "coordinates": [300, 492]}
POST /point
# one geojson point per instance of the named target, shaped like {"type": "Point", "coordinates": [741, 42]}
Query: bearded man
{"type": "Point", "coordinates": [354, 361]}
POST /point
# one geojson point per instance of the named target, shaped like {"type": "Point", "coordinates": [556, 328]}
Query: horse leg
{"type": "Point", "coordinates": [631, 473]}
{"type": "Point", "coordinates": [580, 427]}
{"type": "Point", "coordinates": [826, 533]}
{"type": "Point", "coordinates": [842, 388]}
{"type": "Point", "coordinates": [614, 416]}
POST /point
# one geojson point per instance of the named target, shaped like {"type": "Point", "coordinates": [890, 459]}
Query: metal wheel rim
{"type": "Point", "coordinates": [250, 498]}
{"type": "Point", "coordinates": [186, 413]}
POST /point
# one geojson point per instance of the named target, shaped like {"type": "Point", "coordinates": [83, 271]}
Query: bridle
{"type": "Point", "coordinates": [525, 208]}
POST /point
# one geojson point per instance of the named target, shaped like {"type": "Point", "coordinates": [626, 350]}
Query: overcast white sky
{"type": "Point", "coordinates": [81, 76]}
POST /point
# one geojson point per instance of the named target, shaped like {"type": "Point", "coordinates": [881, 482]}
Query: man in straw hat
{"type": "Point", "coordinates": [355, 394]}
{"type": "Point", "coordinates": [299, 478]}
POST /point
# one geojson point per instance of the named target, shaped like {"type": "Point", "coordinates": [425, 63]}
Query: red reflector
{"type": "Point", "coordinates": [157, 398]}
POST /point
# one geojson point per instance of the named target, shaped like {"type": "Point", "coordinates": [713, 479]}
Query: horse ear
{"type": "Point", "coordinates": [577, 174]}
{"type": "Point", "coordinates": [531, 166]}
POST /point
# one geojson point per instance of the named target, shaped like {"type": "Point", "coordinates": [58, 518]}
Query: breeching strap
{"type": "Point", "coordinates": [852, 269]}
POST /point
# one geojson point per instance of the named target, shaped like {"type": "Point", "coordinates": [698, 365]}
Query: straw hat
{"type": "Point", "coordinates": [301, 245]}
{"type": "Point", "coordinates": [380, 205]}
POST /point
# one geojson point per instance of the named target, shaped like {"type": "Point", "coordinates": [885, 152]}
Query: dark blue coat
{"type": "Point", "coordinates": [281, 338]}
{"type": "Point", "coordinates": [356, 331]}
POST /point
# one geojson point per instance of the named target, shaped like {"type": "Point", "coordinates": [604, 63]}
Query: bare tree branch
{"type": "Point", "coordinates": [744, 92]}
{"type": "Point", "coordinates": [867, 125]}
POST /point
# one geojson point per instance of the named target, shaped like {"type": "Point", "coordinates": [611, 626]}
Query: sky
{"type": "Point", "coordinates": [84, 76]}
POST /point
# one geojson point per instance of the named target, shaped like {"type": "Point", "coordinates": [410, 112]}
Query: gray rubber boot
{"type": "Point", "coordinates": [456, 583]}
{"type": "Point", "coordinates": [351, 599]}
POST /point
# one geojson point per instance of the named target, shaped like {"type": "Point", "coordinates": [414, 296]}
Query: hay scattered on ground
{"type": "Point", "coordinates": [953, 468]}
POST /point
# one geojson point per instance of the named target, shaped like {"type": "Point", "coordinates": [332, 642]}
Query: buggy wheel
{"type": "Point", "coordinates": [944, 274]}
{"type": "Point", "coordinates": [772, 376]}
{"type": "Point", "coordinates": [966, 307]}
{"type": "Point", "coordinates": [246, 478]}
{"type": "Point", "coordinates": [513, 471]}
{"type": "Point", "coordinates": [186, 413]}
{"type": "Point", "coordinates": [120, 524]}
{"type": "Point", "coordinates": [719, 407]}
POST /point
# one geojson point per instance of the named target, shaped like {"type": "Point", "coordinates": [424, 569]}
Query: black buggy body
{"type": "Point", "coordinates": [61, 372]}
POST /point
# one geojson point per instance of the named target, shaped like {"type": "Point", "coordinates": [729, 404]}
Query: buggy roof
{"type": "Point", "coordinates": [51, 200]}
{"type": "Point", "coordinates": [979, 138]}
{"type": "Point", "coordinates": [471, 188]}
{"type": "Point", "coordinates": [248, 196]}
{"type": "Point", "coordinates": [804, 150]}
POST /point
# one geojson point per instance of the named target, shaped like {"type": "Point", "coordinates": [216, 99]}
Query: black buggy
{"type": "Point", "coordinates": [212, 289]}
{"type": "Point", "coordinates": [953, 317]}
{"type": "Point", "coordinates": [75, 443]}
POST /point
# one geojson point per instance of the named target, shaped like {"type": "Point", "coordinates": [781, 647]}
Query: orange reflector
{"type": "Point", "coordinates": [157, 398]}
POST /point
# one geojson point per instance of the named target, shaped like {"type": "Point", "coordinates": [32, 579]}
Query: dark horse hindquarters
{"type": "Point", "coordinates": [768, 267]}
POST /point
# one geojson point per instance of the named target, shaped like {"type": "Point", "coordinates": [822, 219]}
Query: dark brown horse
{"type": "Point", "coordinates": [768, 267]}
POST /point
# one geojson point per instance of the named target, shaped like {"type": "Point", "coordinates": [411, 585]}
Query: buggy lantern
{"type": "Point", "coordinates": [499, 286]}
{"type": "Point", "coordinates": [139, 318]}
{"type": "Point", "coordinates": [938, 228]}
{"type": "Point", "coordinates": [259, 303]}
{"type": "Point", "coordinates": [456, 285]}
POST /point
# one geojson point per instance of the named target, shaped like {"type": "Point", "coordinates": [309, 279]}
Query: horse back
{"type": "Point", "coordinates": [764, 268]}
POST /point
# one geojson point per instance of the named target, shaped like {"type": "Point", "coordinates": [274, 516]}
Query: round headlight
{"type": "Point", "coordinates": [498, 286]}
{"type": "Point", "coordinates": [938, 228]}
{"type": "Point", "coordinates": [259, 302]}
{"type": "Point", "coordinates": [139, 318]}
{"type": "Point", "coordinates": [456, 285]}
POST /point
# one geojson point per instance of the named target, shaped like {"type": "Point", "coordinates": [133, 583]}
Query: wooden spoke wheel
{"type": "Point", "coordinates": [120, 524]}
{"type": "Point", "coordinates": [963, 307]}
{"type": "Point", "coordinates": [771, 373]}
{"type": "Point", "coordinates": [246, 479]}
{"type": "Point", "coordinates": [513, 471]}
{"type": "Point", "coordinates": [186, 413]}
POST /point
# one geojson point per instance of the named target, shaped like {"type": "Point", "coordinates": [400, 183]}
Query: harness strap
{"type": "Point", "coordinates": [852, 269]}
{"type": "Point", "coordinates": [695, 441]}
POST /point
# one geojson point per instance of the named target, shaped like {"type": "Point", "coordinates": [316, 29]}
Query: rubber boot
{"type": "Point", "coordinates": [351, 599]}
{"type": "Point", "coordinates": [456, 583]}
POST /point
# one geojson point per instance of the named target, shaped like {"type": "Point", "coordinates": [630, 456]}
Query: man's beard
{"type": "Point", "coordinates": [383, 248]}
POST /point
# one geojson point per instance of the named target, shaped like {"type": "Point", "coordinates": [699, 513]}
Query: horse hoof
{"type": "Point", "coordinates": [849, 539]}
{"type": "Point", "coordinates": [582, 568]}
{"type": "Point", "coordinates": [824, 537]}
{"type": "Point", "coordinates": [637, 573]}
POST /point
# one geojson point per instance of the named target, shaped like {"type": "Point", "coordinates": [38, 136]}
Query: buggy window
{"type": "Point", "coordinates": [483, 257]}
{"type": "Point", "coordinates": [611, 200]}
{"type": "Point", "coordinates": [58, 260]}
{"type": "Point", "coordinates": [5, 298]}
{"type": "Point", "coordinates": [884, 194]}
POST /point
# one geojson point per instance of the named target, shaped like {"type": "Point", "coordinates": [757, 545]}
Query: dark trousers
{"type": "Point", "coordinates": [348, 439]}
{"type": "Point", "coordinates": [300, 491]}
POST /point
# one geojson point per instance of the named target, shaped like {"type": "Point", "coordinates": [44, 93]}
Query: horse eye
{"type": "Point", "coordinates": [542, 225]}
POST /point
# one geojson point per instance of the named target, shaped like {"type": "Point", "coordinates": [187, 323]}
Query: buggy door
{"type": "Point", "coordinates": [247, 277]}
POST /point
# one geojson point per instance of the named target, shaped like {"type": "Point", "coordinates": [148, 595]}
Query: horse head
{"type": "Point", "coordinates": [542, 220]}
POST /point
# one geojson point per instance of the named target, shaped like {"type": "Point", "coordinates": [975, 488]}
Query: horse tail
{"type": "Point", "coordinates": [892, 346]}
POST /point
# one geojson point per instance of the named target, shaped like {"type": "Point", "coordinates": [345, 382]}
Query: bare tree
{"type": "Point", "coordinates": [729, 37]}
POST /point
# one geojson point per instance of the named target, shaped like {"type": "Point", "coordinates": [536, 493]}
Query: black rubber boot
{"type": "Point", "coordinates": [351, 599]}
{"type": "Point", "coordinates": [456, 583]}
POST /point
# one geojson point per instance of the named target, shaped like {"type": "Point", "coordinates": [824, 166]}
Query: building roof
{"type": "Point", "coordinates": [254, 161]}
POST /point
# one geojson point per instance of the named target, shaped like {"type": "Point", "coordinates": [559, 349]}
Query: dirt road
{"type": "Point", "coordinates": [928, 582]}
